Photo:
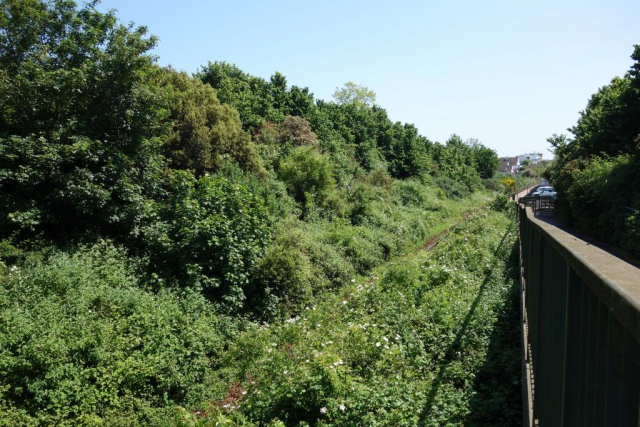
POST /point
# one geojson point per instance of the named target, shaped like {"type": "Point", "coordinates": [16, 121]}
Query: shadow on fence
{"type": "Point", "coordinates": [581, 323]}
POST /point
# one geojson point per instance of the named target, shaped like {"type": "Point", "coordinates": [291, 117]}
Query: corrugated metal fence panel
{"type": "Point", "coordinates": [585, 357]}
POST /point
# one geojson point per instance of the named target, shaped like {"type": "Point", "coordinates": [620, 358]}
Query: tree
{"type": "Point", "coordinates": [203, 131]}
{"type": "Point", "coordinates": [597, 172]}
{"type": "Point", "coordinates": [297, 130]}
{"type": "Point", "coordinates": [486, 160]}
{"type": "Point", "coordinates": [559, 144]}
{"type": "Point", "coordinates": [80, 124]}
{"type": "Point", "coordinates": [256, 99]}
{"type": "Point", "coordinates": [352, 93]}
{"type": "Point", "coordinates": [406, 151]}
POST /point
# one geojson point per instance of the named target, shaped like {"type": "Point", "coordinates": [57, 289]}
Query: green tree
{"type": "Point", "coordinates": [297, 131]}
{"type": "Point", "coordinates": [203, 131]}
{"type": "Point", "coordinates": [487, 161]}
{"type": "Point", "coordinates": [80, 123]}
{"type": "Point", "coordinates": [256, 99]}
{"type": "Point", "coordinates": [406, 151]}
{"type": "Point", "coordinates": [595, 171]}
{"type": "Point", "coordinates": [351, 93]}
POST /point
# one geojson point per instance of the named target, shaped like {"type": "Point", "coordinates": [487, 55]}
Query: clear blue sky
{"type": "Point", "coordinates": [509, 73]}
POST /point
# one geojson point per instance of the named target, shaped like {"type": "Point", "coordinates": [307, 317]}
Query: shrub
{"type": "Point", "coordinates": [296, 267]}
{"type": "Point", "coordinates": [364, 247]}
{"type": "Point", "coordinates": [297, 131]}
{"type": "Point", "coordinates": [271, 191]}
{"type": "Point", "coordinates": [361, 200]}
{"type": "Point", "coordinates": [501, 203]}
{"type": "Point", "coordinates": [380, 178]}
{"type": "Point", "coordinates": [451, 188]}
{"type": "Point", "coordinates": [284, 277]}
{"type": "Point", "coordinates": [307, 174]}
{"type": "Point", "coordinates": [418, 337]}
{"type": "Point", "coordinates": [86, 343]}
{"type": "Point", "coordinates": [595, 194]}
{"type": "Point", "coordinates": [331, 268]}
{"type": "Point", "coordinates": [208, 236]}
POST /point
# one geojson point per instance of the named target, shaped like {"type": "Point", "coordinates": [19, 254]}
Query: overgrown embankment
{"type": "Point", "coordinates": [426, 339]}
{"type": "Point", "coordinates": [429, 339]}
{"type": "Point", "coordinates": [151, 221]}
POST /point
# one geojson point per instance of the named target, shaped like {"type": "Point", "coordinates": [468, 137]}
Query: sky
{"type": "Point", "coordinates": [509, 73]}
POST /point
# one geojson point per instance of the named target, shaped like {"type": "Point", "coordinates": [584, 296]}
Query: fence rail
{"type": "Point", "coordinates": [581, 330]}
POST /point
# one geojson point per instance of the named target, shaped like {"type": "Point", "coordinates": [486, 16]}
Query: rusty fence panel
{"type": "Point", "coordinates": [581, 330]}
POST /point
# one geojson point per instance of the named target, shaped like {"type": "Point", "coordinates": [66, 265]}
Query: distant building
{"type": "Point", "coordinates": [509, 164]}
{"type": "Point", "coordinates": [532, 157]}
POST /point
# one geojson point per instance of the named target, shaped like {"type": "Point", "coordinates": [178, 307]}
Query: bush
{"type": "Point", "coordinates": [208, 236]}
{"type": "Point", "coordinates": [271, 191]}
{"type": "Point", "coordinates": [501, 203]}
{"type": "Point", "coordinates": [86, 343]}
{"type": "Point", "coordinates": [297, 131]}
{"type": "Point", "coordinates": [417, 337]}
{"type": "Point", "coordinates": [307, 174]}
{"type": "Point", "coordinates": [284, 278]}
{"type": "Point", "coordinates": [361, 200]}
{"type": "Point", "coordinates": [380, 178]}
{"type": "Point", "coordinates": [452, 189]}
{"type": "Point", "coordinates": [296, 267]}
{"type": "Point", "coordinates": [594, 194]}
{"type": "Point", "coordinates": [364, 247]}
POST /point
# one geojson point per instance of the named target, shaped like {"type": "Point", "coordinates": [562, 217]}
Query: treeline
{"type": "Point", "coordinates": [190, 172]}
{"type": "Point", "coordinates": [597, 172]}
{"type": "Point", "coordinates": [147, 215]}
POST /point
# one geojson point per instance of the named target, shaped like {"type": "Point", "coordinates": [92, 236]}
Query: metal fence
{"type": "Point", "coordinates": [581, 330]}
{"type": "Point", "coordinates": [540, 205]}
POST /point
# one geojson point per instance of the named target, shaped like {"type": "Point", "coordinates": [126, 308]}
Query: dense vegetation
{"type": "Point", "coordinates": [172, 246]}
{"type": "Point", "coordinates": [597, 173]}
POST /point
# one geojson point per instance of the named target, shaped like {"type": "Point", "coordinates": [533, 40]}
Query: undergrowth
{"type": "Point", "coordinates": [428, 339]}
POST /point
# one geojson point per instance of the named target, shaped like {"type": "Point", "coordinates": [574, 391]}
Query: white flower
{"type": "Point", "coordinates": [342, 407]}
{"type": "Point", "coordinates": [386, 339]}
{"type": "Point", "coordinates": [323, 410]}
{"type": "Point", "coordinates": [344, 302]}
{"type": "Point", "coordinates": [378, 344]}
